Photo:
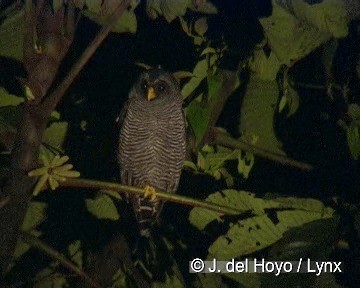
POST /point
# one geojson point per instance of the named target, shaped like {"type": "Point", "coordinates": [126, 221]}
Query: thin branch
{"type": "Point", "coordinates": [51, 102]}
{"type": "Point", "coordinates": [100, 185]}
{"type": "Point", "coordinates": [43, 247]}
{"type": "Point", "coordinates": [226, 140]}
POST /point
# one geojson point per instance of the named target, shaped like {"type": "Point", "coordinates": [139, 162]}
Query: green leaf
{"type": "Point", "coordinates": [153, 8]}
{"type": "Point", "coordinates": [76, 253]}
{"type": "Point", "coordinates": [190, 165]}
{"type": "Point", "coordinates": [198, 117]}
{"type": "Point", "coordinates": [255, 233]}
{"type": "Point", "coordinates": [203, 7]}
{"type": "Point", "coordinates": [241, 200]}
{"type": "Point", "coordinates": [55, 135]}
{"type": "Point", "coordinates": [208, 50]}
{"type": "Point", "coordinates": [48, 278]}
{"type": "Point", "coordinates": [57, 4]}
{"type": "Point", "coordinates": [22, 247]}
{"type": "Point", "coordinates": [173, 8]}
{"type": "Point", "coordinates": [35, 214]}
{"type": "Point", "coordinates": [7, 99]}
{"type": "Point", "coordinates": [94, 5]}
{"type": "Point", "coordinates": [282, 103]}
{"type": "Point", "coordinates": [126, 23]}
{"type": "Point", "coordinates": [245, 164]}
{"type": "Point", "coordinates": [102, 207]}
{"type": "Point", "coordinates": [11, 35]}
{"type": "Point", "coordinates": [353, 140]}
{"type": "Point", "coordinates": [294, 33]}
{"type": "Point", "coordinates": [201, 26]}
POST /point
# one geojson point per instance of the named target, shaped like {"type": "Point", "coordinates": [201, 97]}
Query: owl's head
{"type": "Point", "coordinates": [157, 85]}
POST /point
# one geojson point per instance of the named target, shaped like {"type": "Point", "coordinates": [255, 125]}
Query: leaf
{"type": "Point", "coordinates": [258, 112]}
{"type": "Point", "coordinates": [173, 8]}
{"type": "Point", "coordinates": [245, 164]}
{"type": "Point", "coordinates": [100, 13]}
{"type": "Point", "coordinates": [295, 33]}
{"type": "Point", "coordinates": [153, 8]}
{"type": "Point", "coordinates": [282, 103]}
{"type": "Point", "coordinates": [353, 140]}
{"type": "Point", "coordinates": [190, 165]}
{"type": "Point", "coordinates": [208, 50]}
{"type": "Point", "coordinates": [76, 253]}
{"type": "Point", "coordinates": [255, 233]}
{"type": "Point", "coordinates": [126, 23]}
{"type": "Point", "coordinates": [201, 26]}
{"type": "Point", "coordinates": [35, 214]}
{"type": "Point", "coordinates": [22, 247]}
{"type": "Point", "coordinates": [204, 7]}
{"type": "Point", "coordinates": [55, 135]}
{"type": "Point", "coordinates": [102, 207]}
{"type": "Point", "coordinates": [198, 117]}
{"type": "Point", "coordinates": [241, 200]}
{"type": "Point", "coordinates": [7, 99]}
{"type": "Point", "coordinates": [94, 5]}
{"type": "Point", "coordinates": [48, 278]}
{"type": "Point", "coordinates": [11, 35]}
{"type": "Point", "coordinates": [57, 4]}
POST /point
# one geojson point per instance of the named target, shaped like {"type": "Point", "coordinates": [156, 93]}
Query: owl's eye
{"type": "Point", "coordinates": [144, 86]}
{"type": "Point", "coordinates": [161, 87]}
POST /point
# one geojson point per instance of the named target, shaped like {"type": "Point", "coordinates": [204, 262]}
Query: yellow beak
{"type": "Point", "coordinates": [151, 93]}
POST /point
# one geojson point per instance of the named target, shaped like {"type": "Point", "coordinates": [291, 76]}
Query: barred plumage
{"type": "Point", "coordinates": [152, 141]}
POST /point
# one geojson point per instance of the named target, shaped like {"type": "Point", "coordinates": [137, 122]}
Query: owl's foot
{"type": "Point", "coordinates": [150, 192]}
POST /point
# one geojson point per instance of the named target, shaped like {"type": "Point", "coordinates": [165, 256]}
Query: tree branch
{"type": "Point", "coordinates": [101, 185]}
{"type": "Point", "coordinates": [223, 139]}
{"type": "Point", "coordinates": [43, 247]}
{"type": "Point", "coordinates": [41, 69]}
{"type": "Point", "coordinates": [51, 102]}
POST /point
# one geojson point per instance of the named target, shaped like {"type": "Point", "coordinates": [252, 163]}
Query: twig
{"type": "Point", "coordinates": [43, 247]}
{"type": "Point", "coordinates": [226, 140]}
{"type": "Point", "coordinates": [100, 185]}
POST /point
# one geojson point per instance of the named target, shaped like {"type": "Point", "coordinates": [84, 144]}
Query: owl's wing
{"type": "Point", "coordinates": [120, 119]}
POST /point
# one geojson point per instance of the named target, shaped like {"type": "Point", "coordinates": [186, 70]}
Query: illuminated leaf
{"type": "Point", "coordinates": [35, 214]}
{"type": "Point", "coordinates": [55, 135]}
{"type": "Point", "coordinates": [102, 207]}
{"type": "Point", "coordinates": [11, 35]}
{"type": "Point", "coordinates": [201, 26]}
{"type": "Point", "coordinates": [76, 253]}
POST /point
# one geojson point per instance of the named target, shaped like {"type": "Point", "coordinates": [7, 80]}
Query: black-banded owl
{"type": "Point", "coordinates": [152, 141]}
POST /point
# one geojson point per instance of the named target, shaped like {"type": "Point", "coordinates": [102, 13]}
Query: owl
{"type": "Point", "coordinates": [152, 142]}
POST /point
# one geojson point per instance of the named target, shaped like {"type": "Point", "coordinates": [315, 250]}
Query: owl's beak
{"type": "Point", "coordinates": [151, 93]}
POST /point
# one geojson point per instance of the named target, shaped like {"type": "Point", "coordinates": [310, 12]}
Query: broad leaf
{"type": "Point", "coordinates": [102, 207]}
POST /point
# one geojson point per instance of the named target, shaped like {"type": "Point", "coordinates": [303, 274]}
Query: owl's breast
{"type": "Point", "coordinates": [152, 150]}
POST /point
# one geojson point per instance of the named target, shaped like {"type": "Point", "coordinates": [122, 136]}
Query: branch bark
{"type": "Point", "coordinates": [223, 139]}
{"type": "Point", "coordinates": [187, 201]}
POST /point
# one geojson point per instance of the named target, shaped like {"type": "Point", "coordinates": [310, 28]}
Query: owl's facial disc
{"type": "Point", "coordinates": [154, 89]}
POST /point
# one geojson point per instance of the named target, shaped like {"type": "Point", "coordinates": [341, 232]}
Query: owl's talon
{"type": "Point", "coordinates": [149, 192]}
